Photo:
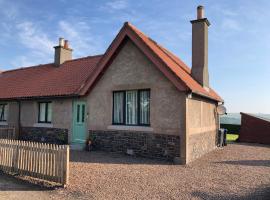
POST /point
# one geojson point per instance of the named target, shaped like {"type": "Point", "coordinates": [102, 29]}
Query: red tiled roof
{"type": "Point", "coordinates": [176, 65]}
{"type": "Point", "coordinates": [77, 76]}
{"type": "Point", "coordinates": [47, 80]}
{"type": "Point", "coordinates": [173, 64]}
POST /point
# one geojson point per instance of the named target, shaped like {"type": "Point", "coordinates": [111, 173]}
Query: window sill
{"type": "Point", "coordinates": [3, 123]}
{"type": "Point", "coordinates": [130, 128]}
{"type": "Point", "coordinates": [43, 125]}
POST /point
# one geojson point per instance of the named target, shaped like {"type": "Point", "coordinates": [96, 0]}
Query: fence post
{"type": "Point", "coordinates": [15, 156]}
{"type": "Point", "coordinates": [66, 165]}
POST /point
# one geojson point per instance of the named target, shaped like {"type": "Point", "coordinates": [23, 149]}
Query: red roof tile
{"type": "Point", "coordinates": [47, 80]}
{"type": "Point", "coordinates": [77, 76]}
{"type": "Point", "coordinates": [173, 64]}
{"type": "Point", "coordinates": [176, 65]}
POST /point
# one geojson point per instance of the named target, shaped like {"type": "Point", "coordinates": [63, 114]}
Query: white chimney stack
{"type": "Point", "coordinates": [61, 42]}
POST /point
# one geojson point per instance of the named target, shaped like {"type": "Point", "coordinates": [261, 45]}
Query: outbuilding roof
{"type": "Point", "coordinates": [78, 76]}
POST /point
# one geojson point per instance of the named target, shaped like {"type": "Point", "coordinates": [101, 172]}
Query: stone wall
{"type": "Point", "coordinates": [48, 135]}
{"type": "Point", "coordinates": [202, 143]}
{"type": "Point", "coordinates": [202, 127]}
{"type": "Point", "coordinates": [137, 143]}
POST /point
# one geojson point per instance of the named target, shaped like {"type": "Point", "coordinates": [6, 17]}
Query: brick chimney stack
{"type": "Point", "coordinates": [62, 52]}
{"type": "Point", "coordinates": [199, 68]}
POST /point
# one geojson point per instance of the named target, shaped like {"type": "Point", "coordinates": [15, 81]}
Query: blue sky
{"type": "Point", "coordinates": [239, 39]}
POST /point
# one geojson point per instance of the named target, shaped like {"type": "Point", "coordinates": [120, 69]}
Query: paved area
{"type": "Point", "coordinates": [12, 188]}
{"type": "Point", "coordinates": [239, 171]}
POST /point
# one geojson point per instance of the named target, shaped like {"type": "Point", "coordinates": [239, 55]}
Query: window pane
{"type": "Point", "coordinates": [145, 107]}
{"type": "Point", "coordinates": [83, 112]}
{"type": "Point", "coordinates": [49, 111]}
{"type": "Point", "coordinates": [78, 113]}
{"type": "Point", "coordinates": [42, 112]}
{"type": "Point", "coordinates": [131, 107]}
{"type": "Point", "coordinates": [3, 112]}
{"type": "Point", "coordinates": [118, 104]}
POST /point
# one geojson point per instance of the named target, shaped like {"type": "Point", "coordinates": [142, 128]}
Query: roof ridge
{"type": "Point", "coordinates": [24, 68]}
{"type": "Point", "coordinates": [41, 65]}
{"type": "Point", "coordinates": [86, 57]}
{"type": "Point", "coordinates": [163, 49]}
{"type": "Point", "coordinates": [168, 54]}
{"type": "Point", "coordinates": [256, 115]}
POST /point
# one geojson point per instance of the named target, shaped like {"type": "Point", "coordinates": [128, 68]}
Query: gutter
{"type": "Point", "coordinates": [206, 96]}
{"type": "Point", "coordinates": [39, 97]}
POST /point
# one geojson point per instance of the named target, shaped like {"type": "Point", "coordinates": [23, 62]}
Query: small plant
{"type": "Point", "coordinates": [89, 143]}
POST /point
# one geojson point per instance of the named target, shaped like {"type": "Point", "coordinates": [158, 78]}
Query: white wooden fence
{"type": "Point", "coordinates": [7, 133]}
{"type": "Point", "coordinates": [44, 161]}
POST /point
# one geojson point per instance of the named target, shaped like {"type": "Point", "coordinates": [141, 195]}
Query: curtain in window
{"type": "Point", "coordinates": [49, 115]}
{"type": "Point", "coordinates": [42, 112]}
{"type": "Point", "coordinates": [3, 112]}
{"type": "Point", "coordinates": [145, 107]}
{"type": "Point", "coordinates": [131, 107]}
{"type": "Point", "coordinates": [118, 113]}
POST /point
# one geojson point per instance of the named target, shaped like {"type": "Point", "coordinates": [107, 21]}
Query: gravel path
{"type": "Point", "coordinates": [237, 171]}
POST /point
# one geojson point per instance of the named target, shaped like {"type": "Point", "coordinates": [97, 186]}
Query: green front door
{"type": "Point", "coordinates": [79, 124]}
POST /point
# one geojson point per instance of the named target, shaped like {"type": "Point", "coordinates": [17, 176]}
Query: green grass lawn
{"type": "Point", "coordinates": [231, 137]}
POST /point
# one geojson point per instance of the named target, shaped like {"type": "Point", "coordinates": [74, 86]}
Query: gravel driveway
{"type": "Point", "coordinates": [237, 171]}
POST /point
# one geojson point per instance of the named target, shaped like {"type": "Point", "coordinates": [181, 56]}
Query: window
{"type": "Point", "coordinates": [131, 107]}
{"type": "Point", "coordinates": [80, 113]}
{"type": "Point", "coordinates": [45, 112]}
{"type": "Point", "coordinates": [3, 112]}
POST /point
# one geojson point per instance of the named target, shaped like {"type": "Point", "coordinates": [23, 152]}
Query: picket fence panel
{"type": "Point", "coordinates": [44, 161]}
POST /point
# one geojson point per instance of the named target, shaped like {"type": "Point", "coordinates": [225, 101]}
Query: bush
{"type": "Point", "coordinates": [232, 128]}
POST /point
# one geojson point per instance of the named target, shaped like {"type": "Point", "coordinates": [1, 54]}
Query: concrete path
{"type": "Point", "coordinates": [13, 189]}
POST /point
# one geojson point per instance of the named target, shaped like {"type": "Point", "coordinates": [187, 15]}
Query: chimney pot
{"type": "Point", "coordinates": [200, 12]}
{"type": "Point", "coordinates": [61, 42]}
{"type": "Point", "coordinates": [66, 44]}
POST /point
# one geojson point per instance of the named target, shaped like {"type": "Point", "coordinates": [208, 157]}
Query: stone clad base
{"type": "Point", "coordinates": [137, 143]}
{"type": "Point", "coordinates": [202, 143]}
{"type": "Point", "coordinates": [48, 135]}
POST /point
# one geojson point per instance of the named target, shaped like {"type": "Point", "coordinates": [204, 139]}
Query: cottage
{"type": "Point", "coordinates": [254, 129]}
{"type": "Point", "coordinates": [137, 98]}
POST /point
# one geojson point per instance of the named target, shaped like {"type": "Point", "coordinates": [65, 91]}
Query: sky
{"type": "Point", "coordinates": [239, 39]}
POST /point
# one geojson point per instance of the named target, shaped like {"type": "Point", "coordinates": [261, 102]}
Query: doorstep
{"type": "Point", "coordinates": [77, 146]}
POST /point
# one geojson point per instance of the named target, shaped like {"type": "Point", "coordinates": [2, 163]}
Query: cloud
{"type": "Point", "coordinates": [33, 38]}
{"type": "Point", "coordinates": [80, 36]}
{"type": "Point", "coordinates": [9, 10]}
{"type": "Point", "coordinates": [23, 61]}
{"type": "Point", "coordinates": [117, 5]}
{"type": "Point", "coordinates": [38, 46]}
{"type": "Point", "coordinates": [231, 24]}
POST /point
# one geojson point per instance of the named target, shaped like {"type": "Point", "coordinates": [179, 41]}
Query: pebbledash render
{"type": "Point", "coordinates": [137, 98]}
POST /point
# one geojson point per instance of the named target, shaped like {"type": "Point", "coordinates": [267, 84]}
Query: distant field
{"type": "Point", "coordinates": [231, 137]}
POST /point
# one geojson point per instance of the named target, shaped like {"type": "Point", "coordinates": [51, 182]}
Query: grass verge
{"type": "Point", "coordinates": [231, 137]}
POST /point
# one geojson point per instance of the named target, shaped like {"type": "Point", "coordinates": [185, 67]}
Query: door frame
{"type": "Point", "coordinates": [74, 122]}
